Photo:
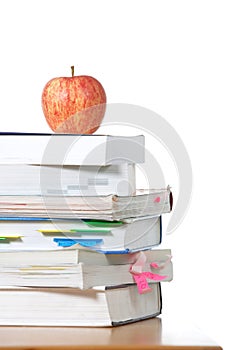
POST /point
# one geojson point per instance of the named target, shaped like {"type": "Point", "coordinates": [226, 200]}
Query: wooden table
{"type": "Point", "coordinates": [156, 334]}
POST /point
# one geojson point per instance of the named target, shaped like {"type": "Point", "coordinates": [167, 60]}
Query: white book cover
{"type": "Point", "coordinates": [74, 180]}
{"type": "Point", "coordinates": [70, 149]}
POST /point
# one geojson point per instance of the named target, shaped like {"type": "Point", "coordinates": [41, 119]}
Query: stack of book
{"type": "Point", "coordinates": [79, 244]}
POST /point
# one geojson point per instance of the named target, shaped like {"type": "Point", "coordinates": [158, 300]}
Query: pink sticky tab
{"type": "Point", "coordinates": [157, 200]}
{"type": "Point", "coordinates": [161, 265]}
{"type": "Point", "coordinates": [142, 284]}
{"type": "Point", "coordinates": [154, 265]}
{"type": "Point", "coordinates": [154, 276]}
{"type": "Point", "coordinates": [139, 263]}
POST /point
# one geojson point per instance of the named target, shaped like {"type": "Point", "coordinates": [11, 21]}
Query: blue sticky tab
{"type": "Point", "coordinates": [19, 218]}
{"type": "Point", "coordinates": [67, 242]}
{"type": "Point", "coordinates": [125, 251]}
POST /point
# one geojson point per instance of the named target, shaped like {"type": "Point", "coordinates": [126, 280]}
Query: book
{"type": "Point", "coordinates": [97, 307]}
{"type": "Point", "coordinates": [111, 207]}
{"type": "Point", "coordinates": [73, 180]}
{"type": "Point", "coordinates": [156, 267]}
{"type": "Point", "coordinates": [44, 235]}
{"type": "Point", "coordinates": [70, 149]}
{"type": "Point", "coordinates": [11, 257]}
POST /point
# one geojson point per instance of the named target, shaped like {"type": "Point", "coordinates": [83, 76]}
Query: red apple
{"type": "Point", "coordinates": [74, 104]}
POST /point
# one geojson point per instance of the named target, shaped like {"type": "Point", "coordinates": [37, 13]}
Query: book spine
{"type": "Point", "coordinates": [161, 299]}
{"type": "Point", "coordinates": [160, 229]}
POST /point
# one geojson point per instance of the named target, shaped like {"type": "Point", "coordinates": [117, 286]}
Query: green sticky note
{"type": "Point", "coordinates": [102, 223]}
{"type": "Point", "coordinates": [90, 231]}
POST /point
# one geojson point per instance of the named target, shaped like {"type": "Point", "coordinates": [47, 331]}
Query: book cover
{"type": "Point", "coordinates": [73, 180]}
{"type": "Point", "coordinates": [70, 149]}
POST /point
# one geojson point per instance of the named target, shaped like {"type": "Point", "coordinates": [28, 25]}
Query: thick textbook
{"type": "Point", "coordinates": [73, 180]}
{"type": "Point", "coordinates": [33, 235]}
{"type": "Point", "coordinates": [99, 307]}
{"type": "Point", "coordinates": [156, 267]}
{"type": "Point", "coordinates": [111, 207]}
{"type": "Point", "coordinates": [68, 256]}
{"type": "Point", "coordinates": [70, 149]}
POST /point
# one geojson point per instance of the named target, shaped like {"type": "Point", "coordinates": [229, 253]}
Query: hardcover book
{"type": "Point", "coordinates": [73, 180]}
{"type": "Point", "coordinates": [156, 267]}
{"type": "Point", "coordinates": [32, 235]}
{"type": "Point", "coordinates": [97, 307]}
{"type": "Point", "coordinates": [70, 149]}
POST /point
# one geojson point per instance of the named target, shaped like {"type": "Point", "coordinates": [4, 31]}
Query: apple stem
{"type": "Point", "coordinates": [72, 70]}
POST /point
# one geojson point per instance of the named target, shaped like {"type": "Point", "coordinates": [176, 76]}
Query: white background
{"type": "Point", "coordinates": [173, 57]}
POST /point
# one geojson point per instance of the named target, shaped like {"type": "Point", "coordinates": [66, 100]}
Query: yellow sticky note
{"type": "Point", "coordinates": [10, 237]}
{"type": "Point", "coordinates": [54, 231]}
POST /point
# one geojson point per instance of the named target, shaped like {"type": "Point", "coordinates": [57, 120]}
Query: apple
{"type": "Point", "coordinates": [74, 104]}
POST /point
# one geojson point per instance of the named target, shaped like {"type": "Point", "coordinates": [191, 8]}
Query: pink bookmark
{"type": "Point", "coordinates": [140, 277]}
